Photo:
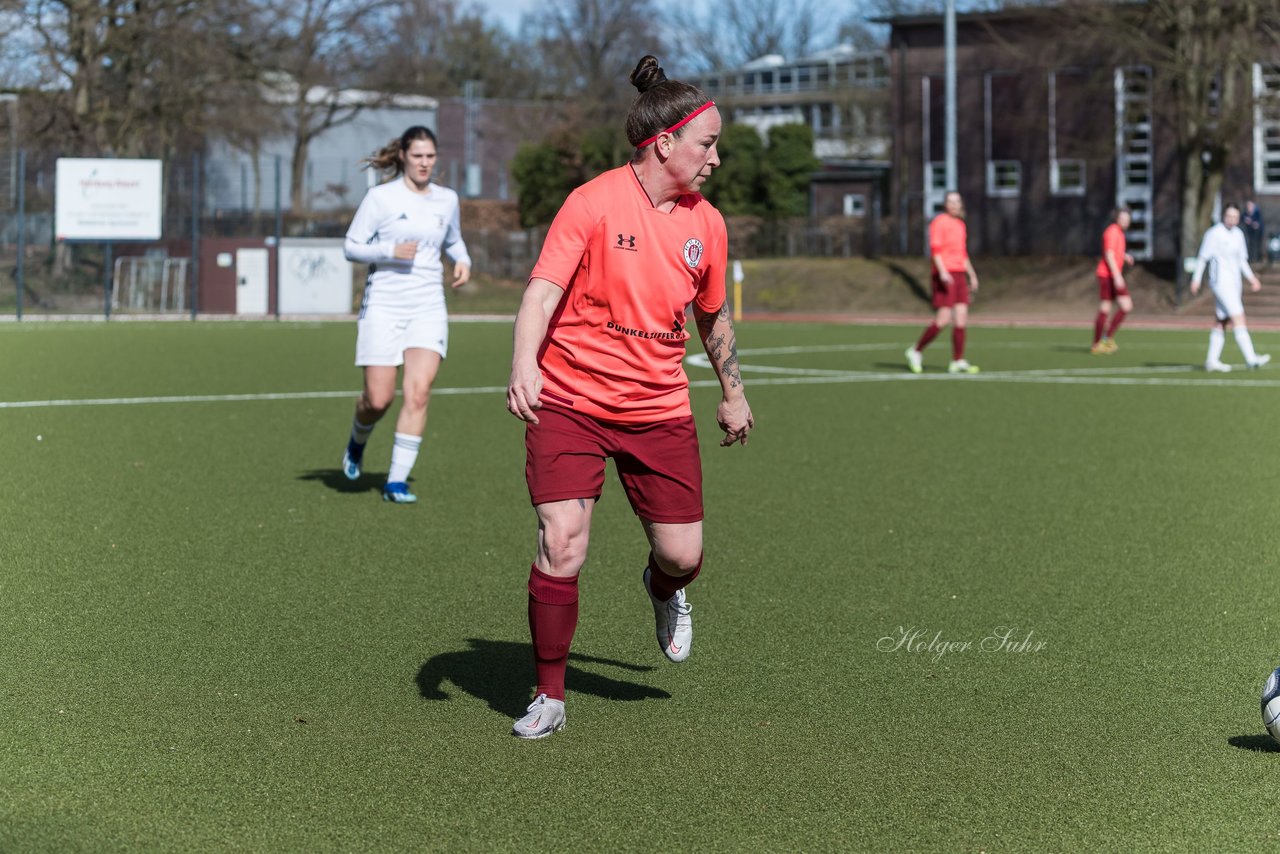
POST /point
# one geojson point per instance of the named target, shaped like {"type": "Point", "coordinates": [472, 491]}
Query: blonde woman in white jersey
{"type": "Point", "coordinates": [1224, 255]}
{"type": "Point", "coordinates": [400, 230]}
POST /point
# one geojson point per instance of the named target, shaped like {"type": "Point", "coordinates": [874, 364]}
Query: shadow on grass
{"type": "Point", "coordinates": [337, 481]}
{"type": "Point", "coordinates": [921, 292]}
{"type": "Point", "coordinates": [500, 673]}
{"type": "Point", "coordinates": [1259, 743]}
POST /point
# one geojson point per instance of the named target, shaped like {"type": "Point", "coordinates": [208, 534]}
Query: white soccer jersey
{"type": "Point", "coordinates": [1224, 253]}
{"type": "Point", "coordinates": [391, 213]}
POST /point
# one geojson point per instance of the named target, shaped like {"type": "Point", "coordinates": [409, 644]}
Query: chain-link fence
{"type": "Point", "coordinates": [220, 225]}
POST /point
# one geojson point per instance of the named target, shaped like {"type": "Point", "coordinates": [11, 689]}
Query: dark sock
{"type": "Point", "coordinates": [1099, 324]}
{"type": "Point", "coordinates": [929, 334]}
{"type": "Point", "coordinates": [1115, 322]}
{"type": "Point", "coordinates": [553, 616]}
{"type": "Point", "coordinates": [665, 586]}
{"type": "Point", "coordinates": [957, 343]}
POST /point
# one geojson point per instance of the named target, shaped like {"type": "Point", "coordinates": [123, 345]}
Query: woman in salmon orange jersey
{"type": "Point", "coordinates": [952, 279]}
{"type": "Point", "coordinates": [1111, 284]}
{"type": "Point", "coordinates": [596, 372]}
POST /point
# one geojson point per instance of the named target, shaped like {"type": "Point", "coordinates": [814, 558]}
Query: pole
{"type": "Point", "coordinates": [950, 94]}
{"type": "Point", "coordinates": [106, 280]}
{"type": "Point", "coordinates": [470, 190]}
{"type": "Point", "coordinates": [737, 290]}
{"type": "Point", "coordinates": [197, 202]}
{"type": "Point", "coordinates": [275, 280]}
{"type": "Point", "coordinates": [22, 228]}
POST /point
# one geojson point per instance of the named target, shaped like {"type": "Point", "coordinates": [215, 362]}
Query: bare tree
{"type": "Point", "coordinates": [728, 35]}
{"type": "Point", "coordinates": [436, 46]}
{"type": "Point", "coordinates": [586, 48]}
{"type": "Point", "coordinates": [324, 50]}
{"type": "Point", "coordinates": [1201, 53]}
{"type": "Point", "coordinates": [139, 77]}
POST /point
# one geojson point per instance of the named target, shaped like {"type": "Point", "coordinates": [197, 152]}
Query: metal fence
{"type": "Point", "coordinates": [43, 275]}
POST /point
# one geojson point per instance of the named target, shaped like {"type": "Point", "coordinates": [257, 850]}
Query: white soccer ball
{"type": "Point", "coordinates": [1271, 704]}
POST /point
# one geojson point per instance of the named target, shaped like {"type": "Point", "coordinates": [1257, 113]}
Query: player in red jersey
{"type": "Point", "coordinates": [1111, 284]}
{"type": "Point", "coordinates": [596, 371]}
{"type": "Point", "coordinates": [952, 279]}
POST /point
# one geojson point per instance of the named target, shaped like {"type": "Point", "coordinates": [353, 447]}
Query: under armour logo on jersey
{"type": "Point", "coordinates": [402, 216]}
{"type": "Point", "coordinates": [627, 242]}
{"type": "Point", "coordinates": [677, 326]}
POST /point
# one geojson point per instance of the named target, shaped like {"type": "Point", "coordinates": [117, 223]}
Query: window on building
{"type": "Point", "coordinates": [1067, 177]}
{"type": "Point", "coordinates": [855, 204]}
{"type": "Point", "coordinates": [1004, 114]}
{"type": "Point", "coordinates": [1070, 128]}
{"type": "Point", "coordinates": [933, 125]}
{"type": "Point", "coordinates": [1266, 128]}
{"type": "Point", "coordinates": [938, 177]}
{"type": "Point", "coordinates": [1004, 177]}
{"type": "Point", "coordinates": [858, 120]}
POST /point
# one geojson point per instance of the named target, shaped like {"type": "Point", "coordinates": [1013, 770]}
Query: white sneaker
{"type": "Point", "coordinates": [1217, 367]}
{"type": "Point", "coordinates": [672, 621]}
{"type": "Point", "coordinates": [915, 360]}
{"type": "Point", "coordinates": [1262, 359]}
{"type": "Point", "coordinates": [960, 366]}
{"type": "Point", "coordinates": [544, 716]}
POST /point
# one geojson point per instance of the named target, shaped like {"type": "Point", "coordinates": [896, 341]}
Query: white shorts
{"type": "Point", "coordinates": [382, 335]}
{"type": "Point", "coordinates": [1227, 302]}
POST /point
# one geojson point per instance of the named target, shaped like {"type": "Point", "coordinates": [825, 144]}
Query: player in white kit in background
{"type": "Point", "coordinates": [1224, 253]}
{"type": "Point", "coordinates": [399, 230]}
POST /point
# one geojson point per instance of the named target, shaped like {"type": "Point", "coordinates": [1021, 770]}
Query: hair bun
{"type": "Point", "coordinates": [648, 74]}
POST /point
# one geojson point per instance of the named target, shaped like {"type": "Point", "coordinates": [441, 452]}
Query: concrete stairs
{"type": "Point", "coordinates": [1262, 306]}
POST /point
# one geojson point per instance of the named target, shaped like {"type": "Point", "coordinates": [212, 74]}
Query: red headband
{"type": "Point", "coordinates": [675, 127]}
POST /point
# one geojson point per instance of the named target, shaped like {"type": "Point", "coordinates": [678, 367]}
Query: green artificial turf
{"type": "Point", "coordinates": [210, 640]}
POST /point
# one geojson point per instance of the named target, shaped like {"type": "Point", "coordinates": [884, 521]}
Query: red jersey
{"type": "Point", "coordinates": [615, 345]}
{"type": "Point", "coordinates": [1113, 242]}
{"type": "Point", "coordinates": [948, 237]}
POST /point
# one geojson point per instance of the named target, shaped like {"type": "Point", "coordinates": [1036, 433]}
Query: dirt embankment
{"type": "Point", "coordinates": [1009, 287]}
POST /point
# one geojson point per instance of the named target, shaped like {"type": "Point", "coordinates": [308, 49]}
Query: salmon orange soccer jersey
{"type": "Point", "coordinates": [1113, 242]}
{"type": "Point", "coordinates": [614, 347]}
{"type": "Point", "coordinates": [947, 238]}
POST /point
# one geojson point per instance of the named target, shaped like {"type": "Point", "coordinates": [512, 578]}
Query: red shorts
{"type": "Point", "coordinates": [957, 294]}
{"type": "Point", "coordinates": [658, 463]}
{"type": "Point", "coordinates": [1107, 289]}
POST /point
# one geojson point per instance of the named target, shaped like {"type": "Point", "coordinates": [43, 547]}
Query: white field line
{"type": "Point", "coordinates": [222, 398]}
{"type": "Point", "coordinates": [1120, 376]}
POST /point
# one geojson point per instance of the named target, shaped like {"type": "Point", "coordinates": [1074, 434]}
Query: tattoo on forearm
{"type": "Point", "coordinates": [730, 367]}
{"type": "Point", "coordinates": [706, 322]}
{"type": "Point", "coordinates": [722, 347]}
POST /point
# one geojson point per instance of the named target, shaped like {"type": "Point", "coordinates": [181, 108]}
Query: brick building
{"type": "Point", "coordinates": [1051, 135]}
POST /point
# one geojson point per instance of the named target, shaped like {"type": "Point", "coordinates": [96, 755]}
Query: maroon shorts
{"type": "Point", "coordinates": [1107, 289]}
{"type": "Point", "coordinates": [658, 463]}
{"type": "Point", "coordinates": [957, 294]}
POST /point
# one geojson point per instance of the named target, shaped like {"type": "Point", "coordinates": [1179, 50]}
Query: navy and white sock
{"type": "Point", "coordinates": [360, 432]}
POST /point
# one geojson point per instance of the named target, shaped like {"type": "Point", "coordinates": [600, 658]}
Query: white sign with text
{"type": "Point", "coordinates": [108, 199]}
